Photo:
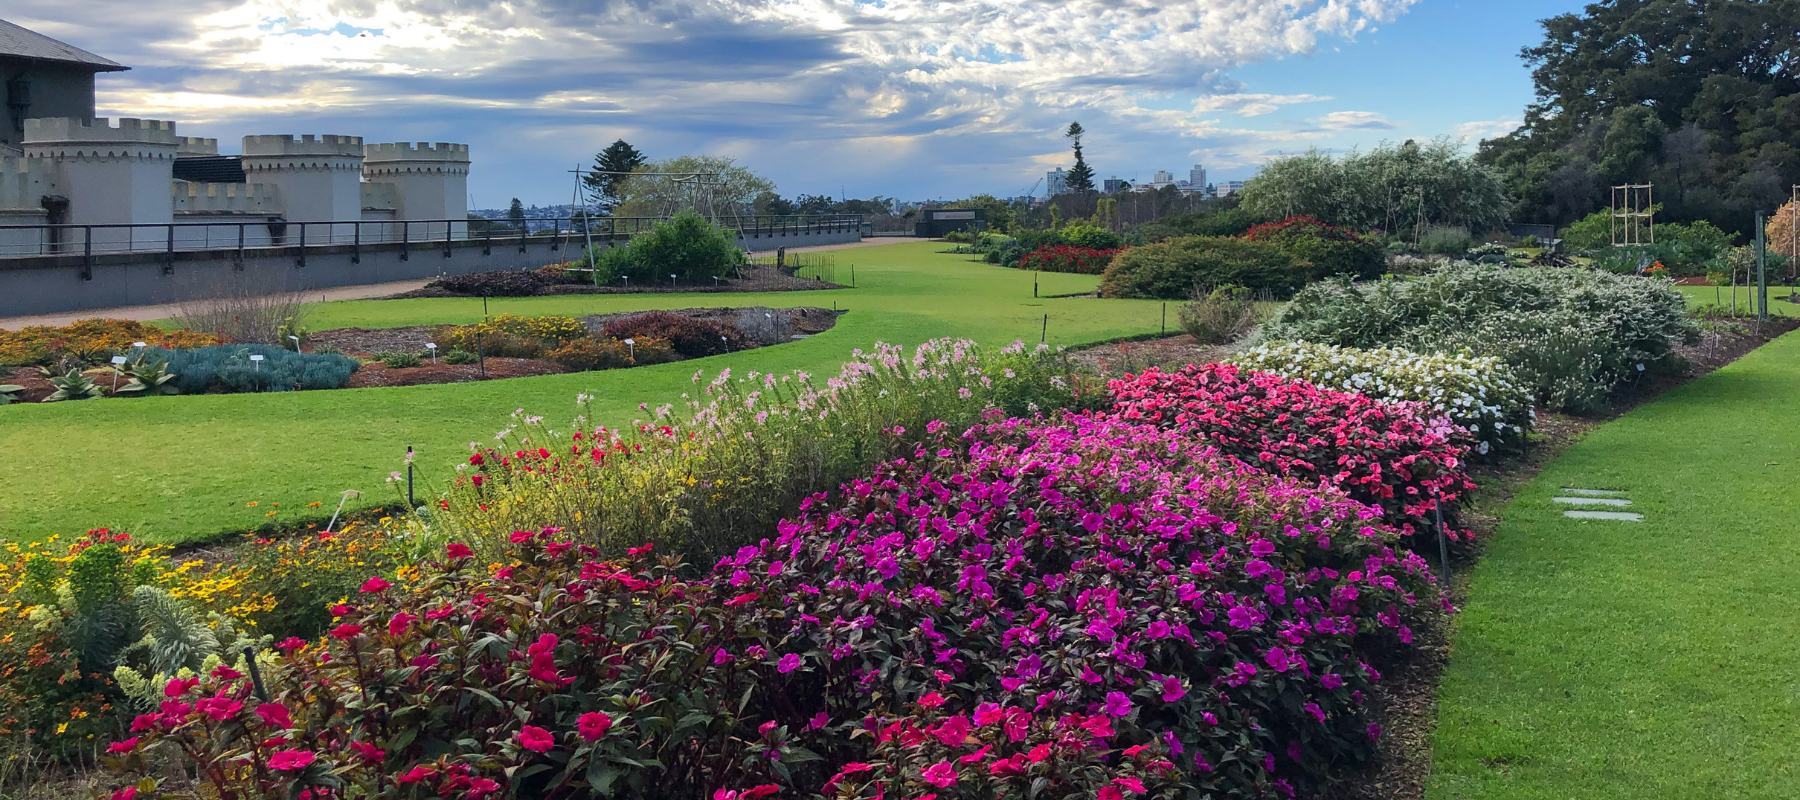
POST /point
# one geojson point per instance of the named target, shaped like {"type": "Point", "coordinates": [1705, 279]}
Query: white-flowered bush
{"type": "Point", "coordinates": [1480, 394]}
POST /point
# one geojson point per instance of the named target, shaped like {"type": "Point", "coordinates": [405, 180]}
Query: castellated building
{"type": "Point", "coordinates": [59, 165]}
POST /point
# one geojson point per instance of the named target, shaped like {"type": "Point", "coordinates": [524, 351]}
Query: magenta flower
{"type": "Point", "coordinates": [288, 760]}
{"type": "Point", "coordinates": [941, 774]}
{"type": "Point", "coordinates": [593, 725]}
{"type": "Point", "coordinates": [1117, 704]}
{"type": "Point", "coordinates": [536, 739]}
{"type": "Point", "coordinates": [788, 663]}
{"type": "Point", "coordinates": [375, 584]}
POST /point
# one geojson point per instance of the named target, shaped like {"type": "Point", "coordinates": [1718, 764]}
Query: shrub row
{"type": "Point", "coordinates": [689, 336]}
{"type": "Point", "coordinates": [1034, 608]}
{"type": "Point", "coordinates": [1068, 258]}
{"type": "Point", "coordinates": [90, 341]}
{"type": "Point", "coordinates": [1572, 336]}
{"type": "Point", "coordinates": [1480, 394]}
{"type": "Point", "coordinates": [1278, 257]}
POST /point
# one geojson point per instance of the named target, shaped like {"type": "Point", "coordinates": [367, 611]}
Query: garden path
{"type": "Point", "coordinates": [1606, 659]}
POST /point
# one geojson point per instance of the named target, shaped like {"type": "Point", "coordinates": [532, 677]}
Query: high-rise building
{"type": "Point", "coordinates": [1197, 176]}
{"type": "Point", "coordinates": [1056, 182]}
{"type": "Point", "coordinates": [1162, 178]}
{"type": "Point", "coordinates": [1114, 185]}
{"type": "Point", "coordinates": [1230, 188]}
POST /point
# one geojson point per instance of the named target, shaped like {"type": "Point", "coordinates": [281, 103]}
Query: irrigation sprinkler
{"type": "Point", "coordinates": [296, 340]}
{"type": "Point", "coordinates": [342, 497]}
{"type": "Point", "coordinates": [432, 346]}
{"type": "Point", "coordinates": [726, 343]}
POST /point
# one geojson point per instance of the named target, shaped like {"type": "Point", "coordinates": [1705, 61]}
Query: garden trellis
{"type": "Point", "coordinates": [1633, 215]}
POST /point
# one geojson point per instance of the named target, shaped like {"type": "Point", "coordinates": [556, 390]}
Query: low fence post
{"type": "Point", "coordinates": [169, 252]}
{"type": "Point", "coordinates": [87, 255]}
{"type": "Point", "coordinates": [448, 229]}
{"type": "Point", "coordinates": [238, 266]}
{"type": "Point", "coordinates": [301, 261]}
{"type": "Point", "coordinates": [405, 229]}
{"type": "Point", "coordinates": [356, 243]}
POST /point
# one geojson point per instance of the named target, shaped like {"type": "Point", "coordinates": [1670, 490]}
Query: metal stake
{"type": "Point", "coordinates": [262, 692]}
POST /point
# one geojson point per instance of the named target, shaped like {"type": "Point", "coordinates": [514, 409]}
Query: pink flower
{"type": "Point", "coordinates": [458, 550]}
{"type": "Point", "coordinates": [941, 774]}
{"type": "Point", "coordinates": [398, 623]}
{"type": "Point", "coordinates": [375, 584]}
{"type": "Point", "coordinates": [225, 673]}
{"type": "Point", "coordinates": [286, 760]}
{"type": "Point", "coordinates": [742, 599]}
{"type": "Point", "coordinates": [953, 731]}
{"type": "Point", "coordinates": [1110, 792]}
{"type": "Point", "coordinates": [126, 793]}
{"type": "Point", "coordinates": [346, 631]}
{"type": "Point", "coordinates": [593, 725]}
{"type": "Point", "coordinates": [519, 537]}
{"type": "Point", "coordinates": [418, 774]}
{"type": "Point", "coordinates": [789, 663]}
{"type": "Point", "coordinates": [1278, 659]}
{"type": "Point", "coordinates": [369, 751]}
{"type": "Point", "coordinates": [1331, 680]}
{"type": "Point", "coordinates": [123, 747]}
{"type": "Point", "coordinates": [275, 715]}
{"type": "Point", "coordinates": [1316, 712]}
{"type": "Point", "coordinates": [1117, 704]}
{"type": "Point", "coordinates": [177, 687]}
{"type": "Point", "coordinates": [536, 739]}
{"type": "Point", "coordinates": [1172, 689]}
{"type": "Point", "coordinates": [219, 708]}
{"type": "Point", "coordinates": [1130, 784]}
{"type": "Point", "coordinates": [932, 700]}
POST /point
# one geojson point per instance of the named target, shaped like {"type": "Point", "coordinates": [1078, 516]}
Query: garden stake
{"type": "Point", "coordinates": [1437, 510]}
{"type": "Point", "coordinates": [262, 693]}
{"type": "Point", "coordinates": [480, 357]}
{"type": "Point", "coordinates": [1165, 319]}
{"type": "Point", "coordinates": [409, 478]}
{"type": "Point", "coordinates": [1044, 335]}
{"type": "Point", "coordinates": [484, 311]}
{"type": "Point", "coordinates": [1034, 285]}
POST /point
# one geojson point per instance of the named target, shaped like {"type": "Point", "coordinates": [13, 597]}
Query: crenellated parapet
{"type": "Point", "coordinates": [407, 158]}
{"type": "Point", "coordinates": [98, 139]}
{"type": "Point", "coordinates": [308, 153]}
{"type": "Point", "coordinates": [23, 184]}
{"type": "Point", "coordinates": [195, 146]}
{"type": "Point", "coordinates": [226, 198]}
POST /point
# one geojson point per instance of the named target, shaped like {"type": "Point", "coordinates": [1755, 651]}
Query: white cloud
{"type": "Point", "coordinates": [1252, 105]}
{"type": "Point", "coordinates": [1355, 121]}
{"type": "Point", "coordinates": [1487, 129]}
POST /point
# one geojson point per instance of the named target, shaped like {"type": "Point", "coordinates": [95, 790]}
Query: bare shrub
{"type": "Point", "coordinates": [1219, 314]}
{"type": "Point", "coordinates": [765, 325]}
{"type": "Point", "coordinates": [247, 310]}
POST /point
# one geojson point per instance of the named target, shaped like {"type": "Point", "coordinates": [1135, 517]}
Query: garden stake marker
{"type": "Point", "coordinates": [1044, 335]}
{"type": "Point", "coordinates": [262, 693]}
{"type": "Point", "coordinates": [409, 476]}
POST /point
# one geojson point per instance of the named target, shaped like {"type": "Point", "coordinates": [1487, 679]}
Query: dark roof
{"type": "Point", "coordinates": [17, 42]}
{"type": "Point", "coordinates": [210, 169]}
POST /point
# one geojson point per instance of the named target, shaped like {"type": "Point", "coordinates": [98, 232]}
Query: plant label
{"type": "Point", "coordinates": [117, 360]}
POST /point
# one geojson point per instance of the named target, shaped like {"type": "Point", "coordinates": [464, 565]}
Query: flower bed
{"type": "Point", "coordinates": [1480, 394]}
{"type": "Point", "coordinates": [1068, 258]}
{"type": "Point", "coordinates": [1572, 336]}
{"type": "Point", "coordinates": [90, 340]}
{"type": "Point", "coordinates": [1037, 607]}
{"type": "Point", "coordinates": [1401, 457]}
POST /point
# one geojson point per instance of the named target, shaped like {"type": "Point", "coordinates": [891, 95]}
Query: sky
{"type": "Point", "coordinates": [915, 99]}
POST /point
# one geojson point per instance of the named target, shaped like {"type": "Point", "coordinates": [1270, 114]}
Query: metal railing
{"type": "Point", "coordinates": [242, 237]}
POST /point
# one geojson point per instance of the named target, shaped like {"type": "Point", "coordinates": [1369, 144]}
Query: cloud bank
{"type": "Point", "coordinates": [913, 90]}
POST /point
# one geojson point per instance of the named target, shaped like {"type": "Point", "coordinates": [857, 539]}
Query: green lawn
{"type": "Point", "coordinates": [1709, 295]}
{"type": "Point", "coordinates": [1643, 660]}
{"type": "Point", "coordinates": [181, 469]}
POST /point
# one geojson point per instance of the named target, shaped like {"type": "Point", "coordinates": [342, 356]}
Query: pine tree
{"type": "Point", "coordinates": [618, 157]}
{"type": "Point", "coordinates": [1081, 177]}
{"type": "Point", "coordinates": [516, 213]}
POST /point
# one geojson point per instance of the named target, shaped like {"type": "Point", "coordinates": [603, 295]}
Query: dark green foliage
{"type": "Point", "coordinates": [1233, 221]}
{"type": "Point", "coordinates": [1170, 270]}
{"type": "Point", "coordinates": [399, 360]}
{"type": "Point", "coordinates": [685, 245]}
{"type": "Point", "coordinates": [1698, 97]}
{"type": "Point", "coordinates": [228, 366]}
{"type": "Point", "coordinates": [1081, 176]}
{"type": "Point", "coordinates": [618, 157]}
{"type": "Point", "coordinates": [1332, 251]}
{"type": "Point", "coordinates": [500, 283]}
{"type": "Point", "coordinates": [458, 355]}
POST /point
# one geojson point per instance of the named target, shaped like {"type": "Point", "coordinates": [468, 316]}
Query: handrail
{"type": "Point", "coordinates": [169, 238]}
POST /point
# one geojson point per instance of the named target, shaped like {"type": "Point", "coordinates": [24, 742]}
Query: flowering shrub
{"type": "Point", "coordinates": [1571, 335]}
{"type": "Point", "coordinates": [1478, 393]}
{"type": "Point", "coordinates": [759, 445]}
{"type": "Point", "coordinates": [1068, 258]}
{"type": "Point", "coordinates": [90, 340]}
{"type": "Point", "coordinates": [1398, 456]}
{"type": "Point", "coordinates": [691, 337]}
{"type": "Point", "coordinates": [284, 587]}
{"type": "Point", "coordinates": [1071, 608]}
{"type": "Point", "coordinates": [590, 352]}
{"type": "Point", "coordinates": [512, 335]}
{"type": "Point", "coordinates": [1330, 250]}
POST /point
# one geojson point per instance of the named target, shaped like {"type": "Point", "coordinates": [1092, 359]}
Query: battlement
{"type": "Point", "coordinates": [421, 151]}
{"type": "Point", "coordinates": [197, 146]}
{"type": "Point", "coordinates": [330, 145]}
{"type": "Point", "coordinates": [60, 130]}
{"type": "Point", "coordinates": [22, 183]}
{"type": "Point", "coordinates": [226, 198]}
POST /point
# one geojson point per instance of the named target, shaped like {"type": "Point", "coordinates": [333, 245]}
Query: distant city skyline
{"type": "Point", "coordinates": [906, 98]}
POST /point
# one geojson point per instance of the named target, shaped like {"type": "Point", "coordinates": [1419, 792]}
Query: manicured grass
{"type": "Point", "coordinates": [1643, 660]}
{"type": "Point", "coordinates": [182, 469]}
{"type": "Point", "coordinates": [1746, 298]}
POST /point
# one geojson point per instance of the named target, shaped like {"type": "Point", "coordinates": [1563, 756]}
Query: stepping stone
{"type": "Point", "coordinates": [1593, 492]}
{"type": "Point", "coordinates": [1592, 501]}
{"type": "Point", "coordinates": [1619, 516]}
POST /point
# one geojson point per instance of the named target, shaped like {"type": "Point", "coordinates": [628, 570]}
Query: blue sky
{"type": "Point", "coordinates": [910, 98]}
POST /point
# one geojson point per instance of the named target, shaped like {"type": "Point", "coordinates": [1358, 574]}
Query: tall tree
{"type": "Point", "coordinates": [719, 186]}
{"type": "Point", "coordinates": [611, 166]}
{"type": "Point", "coordinates": [1701, 97]}
{"type": "Point", "coordinates": [516, 213]}
{"type": "Point", "coordinates": [1081, 176]}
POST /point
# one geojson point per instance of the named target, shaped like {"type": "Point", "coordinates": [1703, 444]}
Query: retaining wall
{"type": "Point", "coordinates": [62, 283]}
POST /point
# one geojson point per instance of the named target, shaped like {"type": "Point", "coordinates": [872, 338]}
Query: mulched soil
{"type": "Point", "coordinates": [367, 341]}
{"type": "Point", "coordinates": [378, 374]}
{"type": "Point", "coordinates": [1404, 704]}
{"type": "Point", "coordinates": [803, 320]}
{"type": "Point", "coordinates": [755, 279]}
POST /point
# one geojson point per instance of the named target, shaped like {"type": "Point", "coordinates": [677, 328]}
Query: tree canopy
{"type": "Point", "coordinates": [1698, 97]}
{"type": "Point", "coordinates": [703, 184]}
{"type": "Point", "coordinates": [1403, 189]}
{"type": "Point", "coordinates": [1081, 176]}
{"type": "Point", "coordinates": [610, 168]}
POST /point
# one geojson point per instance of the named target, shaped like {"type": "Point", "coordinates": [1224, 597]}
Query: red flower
{"type": "Point", "coordinates": [417, 774]}
{"type": "Point", "coordinates": [126, 793]}
{"type": "Point", "coordinates": [593, 725]}
{"type": "Point", "coordinates": [536, 739]}
{"type": "Point", "coordinates": [747, 597]}
{"type": "Point", "coordinates": [346, 631]}
{"type": "Point", "coordinates": [639, 550]}
{"type": "Point", "coordinates": [369, 751]}
{"type": "Point", "coordinates": [177, 687]}
{"type": "Point", "coordinates": [374, 585]}
{"type": "Point", "coordinates": [225, 673]}
{"type": "Point", "coordinates": [458, 550]}
{"type": "Point", "coordinates": [291, 759]}
{"type": "Point", "coordinates": [1110, 792]}
{"type": "Point", "coordinates": [123, 747]}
